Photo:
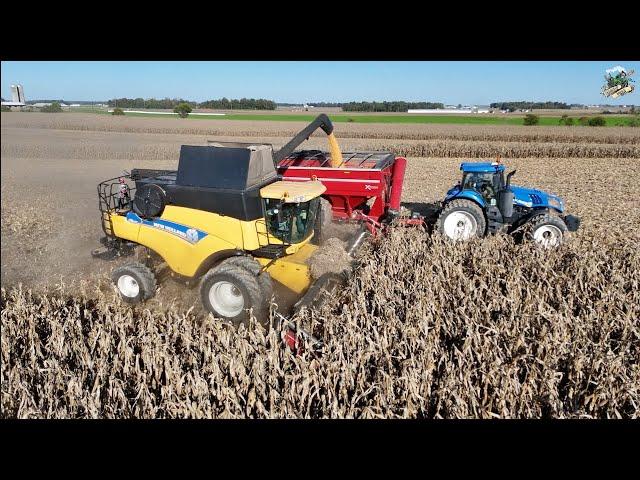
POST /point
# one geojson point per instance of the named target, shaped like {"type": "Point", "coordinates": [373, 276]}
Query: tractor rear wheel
{"type": "Point", "coordinates": [547, 230]}
{"type": "Point", "coordinates": [135, 282]}
{"type": "Point", "coordinates": [324, 217]}
{"type": "Point", "coordinates": [461, 220]}
{"type": "Point", "coordinates": [228, 292]}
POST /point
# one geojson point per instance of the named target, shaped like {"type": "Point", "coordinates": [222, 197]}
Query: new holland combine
{"type": "Point", "coordinates": [235, 217]}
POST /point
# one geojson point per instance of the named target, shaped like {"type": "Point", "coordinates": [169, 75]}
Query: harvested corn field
{"type": "Point", "coordinates": [425, 328]}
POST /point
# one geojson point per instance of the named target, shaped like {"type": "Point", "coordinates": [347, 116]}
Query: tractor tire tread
{"type": "Point", "coordinates": [463, 204]}
{"type": "Point", "coordinates": [543, 219]}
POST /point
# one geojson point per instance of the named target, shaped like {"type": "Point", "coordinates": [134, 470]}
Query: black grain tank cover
{"type": "Point", "coordinates": [231, 167]}
{"type": "Point", "coordinates": [220, 179]}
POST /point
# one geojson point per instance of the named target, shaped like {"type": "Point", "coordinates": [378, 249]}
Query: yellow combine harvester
{"type": "Point", "coordinates": [223, 219]}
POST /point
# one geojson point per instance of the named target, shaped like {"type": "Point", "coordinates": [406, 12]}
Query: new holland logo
{"type": "Point", "coordinates": [191, 235]}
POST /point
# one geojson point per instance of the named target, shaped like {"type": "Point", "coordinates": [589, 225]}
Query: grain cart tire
{"type": "Point", "coordinates": [461, 220]}
{"type": "Point", "coordinates": [135, 282]}
{"type": "Point", "coordinates": [253, 267]}
{"type": "Point", "coordinates": [547, 230]}
{"type": "Point", "coordinates": [228, 293]}
{"type": "Point", "coordinates": [324, 217]}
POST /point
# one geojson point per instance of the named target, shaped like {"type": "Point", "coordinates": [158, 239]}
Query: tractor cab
{"type": "Point", "coordinates": [486, 179]}
{"type": "Point", "coordinates": [483, 182]}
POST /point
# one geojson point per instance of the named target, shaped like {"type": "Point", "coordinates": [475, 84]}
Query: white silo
{"type": "Point", "coordinates": [17, 94]}
{"type": "Point", "coordinates": [21, 94]}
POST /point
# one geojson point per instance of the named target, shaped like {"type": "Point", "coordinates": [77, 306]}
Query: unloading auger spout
{"type": "Point", "coordinates": [322, 121]}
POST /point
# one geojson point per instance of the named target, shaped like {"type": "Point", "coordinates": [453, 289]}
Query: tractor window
{"type": "Point", "coordinates": [485, 184]}
{"type": "Point", "coordinates": [290, 222]}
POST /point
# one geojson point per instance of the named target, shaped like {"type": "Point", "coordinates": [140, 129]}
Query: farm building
{"type": "Point", "coordinates": [449, 110]}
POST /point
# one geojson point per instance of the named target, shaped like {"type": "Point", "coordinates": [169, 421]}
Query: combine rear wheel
{"type": "Point", "coordinates": [228, 291]}
{"type": "Point", "coordinates": [547, 230]}
{"type": "Point", "coordinates": [461, 220]}
{"type": "Point", "coordinates": [135, 282]}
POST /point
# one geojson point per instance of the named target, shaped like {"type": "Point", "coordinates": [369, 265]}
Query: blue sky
{"type": "Point", "coordinates": [447, 82]}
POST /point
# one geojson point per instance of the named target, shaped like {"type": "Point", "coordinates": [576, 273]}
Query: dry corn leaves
{"type": "Point", "coordinates": [430, 329]}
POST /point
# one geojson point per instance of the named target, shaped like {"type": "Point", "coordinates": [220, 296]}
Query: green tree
{"type": "Point", "coordinates": [117, 111]}
{"type": "Point", "coordinates": [597, 122]}
{"type": "Point", "coordinates": [566, 120]}
{"type": "Point", "coordinates": [5, 108]}
{"type": "Point", "coordinates": [182, 109]}
{"type": "Point", "coordinates": [531, 119]}
{"type": "Point", "coordinates": [53, 108]}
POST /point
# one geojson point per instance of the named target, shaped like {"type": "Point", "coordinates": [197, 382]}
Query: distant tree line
{"type": "Point", "coordinates": [171, 103]}
{"type": "Point", "coordinates": [513, 106]}
{"type": "Point", "coordinates": [66, 102]}
{"type": "Point", "coordinates": [165, 103]}
{"type": "Point", "coordinates": [242, 104]}
{"type": "Point", "coordinates": [396, 106]}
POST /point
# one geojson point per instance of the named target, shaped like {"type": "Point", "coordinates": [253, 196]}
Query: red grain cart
{"type": "Point", "coordinates": [366, 187]}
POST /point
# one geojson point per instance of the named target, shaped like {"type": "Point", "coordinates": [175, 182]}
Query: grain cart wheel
{"type": "Point", "coordinates": [324, 217]}
{"type": "Point", "coordinates": [461, 220]}
{"type": "Point", "coordinates": [228, 292]}
{"type": "Point", "coordinates": [253, 267]}
{"type": "Point", "coordinates": [547, 230]}
{"type": "Point", "coordinates": [135, 282]}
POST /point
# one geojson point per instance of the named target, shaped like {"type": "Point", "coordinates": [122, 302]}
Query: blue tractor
{"type": "Point", "coordinates": [484, 202]}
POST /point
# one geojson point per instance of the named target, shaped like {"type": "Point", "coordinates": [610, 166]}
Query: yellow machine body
{"type": "Point", "coordinates": [188, 239]}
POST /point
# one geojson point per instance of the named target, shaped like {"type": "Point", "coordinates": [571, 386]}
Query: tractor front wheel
{"type": "Point", "coordinates": [547, 230]}
{"type": "Point", "coordinates": [461, 220]}
{"type": "Point", "coordinates": [135, 282]}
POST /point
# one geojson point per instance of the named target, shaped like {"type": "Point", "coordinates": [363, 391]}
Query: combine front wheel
{"type": "Point", "coordinates": [461, 220]}
{"type": "Point", "coordinates": [229, 292]}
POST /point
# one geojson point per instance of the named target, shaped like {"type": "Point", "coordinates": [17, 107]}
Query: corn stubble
{"type": "Point", "coordinates": [424, 329]}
